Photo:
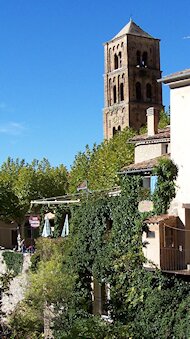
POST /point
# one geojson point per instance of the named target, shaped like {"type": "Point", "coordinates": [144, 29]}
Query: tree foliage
{"type": "Point", "coordinates": [100, 165]}
{"type": "Point", "coordinates": [105, 242]}
{"type": "Point", "coordinates": [21, 182]}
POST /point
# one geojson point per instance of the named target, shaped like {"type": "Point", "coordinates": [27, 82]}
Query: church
{"type": "Point", "coordinates": [132, 68]}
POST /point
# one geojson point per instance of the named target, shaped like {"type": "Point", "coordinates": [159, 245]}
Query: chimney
{"type": "Point", "coordinates": [152, 121]}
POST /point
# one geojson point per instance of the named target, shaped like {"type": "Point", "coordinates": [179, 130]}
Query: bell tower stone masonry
{"type": "Point", "coordinates": [132, 67]}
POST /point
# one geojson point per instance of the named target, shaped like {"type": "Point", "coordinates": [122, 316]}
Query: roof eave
{"type": "Point", "coordinates": [135, 171]}
{"type": "Point", "coordinates": [173, 80]}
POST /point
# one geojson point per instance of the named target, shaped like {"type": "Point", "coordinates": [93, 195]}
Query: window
{"type": "Point", "coordinates": [109, 65]}
{"type": "Point", "coordinates": [109, 96]}
{"type": "Point", "coordinates": [114, 131]}
{"type": "Point", "coordinates": [114, 94]}
{"type": "Point", "coordinates": [120, 59]}
{"type": "Point", "coordinates": [115, 61]}
{"type": "Point", "coordinates": [149, 182]}
{"type": "Point", "coordinates": [100, 298]}
{"type": "Point", "coordinates": [150, 234]}
{"type": "Point", "coordinates": [119, 129]}
{"type": "Point", "coordinates": [153, 182]}
{"type": "Point", "coordinates": [121, 92]}
{"type": "Point", "coordinates": [144, 59]}
{"type": "Point", "coordinates": [146, 182]}
{"type": "Point", "coordinates": [149, 91]}
{"type": "Point", "coordinates": [138, 91]}
{"type": "Point", "coordinates": [164, 148]}
{"type": "Point", "coordinates": [138, 58]}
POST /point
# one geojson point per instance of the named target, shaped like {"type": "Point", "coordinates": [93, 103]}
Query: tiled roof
{"type": "Point", "coordinates": [158, 218]}
{"type": "Point", "coordinates": [144, 165]}
{"type": "Point", "coordinates": [133, 29]}
{"type": "Point", "coordinates": [163, 133]}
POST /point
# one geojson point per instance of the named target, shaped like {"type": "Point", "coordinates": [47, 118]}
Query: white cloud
{"type": "Point", "coordinates": [186, 37]}
{"type": "Point", "coordinates": [12, 128]}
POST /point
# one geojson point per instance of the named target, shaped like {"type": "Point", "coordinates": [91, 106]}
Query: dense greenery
{"type": "Point", "coordinates": [166, 172]}
{"type": "Point", "coordinates": [21, 182]}
{"type": "Point", "coordinates": [104, 242]}
{"type": "Point", "coordinates": [13, 261]}
{"type": "Point", "coordinates": [100, 165]}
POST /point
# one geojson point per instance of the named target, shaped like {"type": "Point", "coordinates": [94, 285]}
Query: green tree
{"type": "Point", "coordinates": [21, 182]}
{"type": "Point", "coordinates": [51, 285]}
{"type": "Point", "coordinates": [100, 166]}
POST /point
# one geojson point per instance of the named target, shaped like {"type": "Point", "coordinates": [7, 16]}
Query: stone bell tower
{"type": "Point", "coordinates": [132, 67]}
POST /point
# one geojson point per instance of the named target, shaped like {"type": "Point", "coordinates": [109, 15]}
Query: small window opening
{"type": "Point", "coordinates": [165, 149]}
{"type": "Point", "coordinates": [138, 91]}
{"type": "Point", "coordinates": [115, 61]}
{"type": "Point", "coordinates": [119, 129]}
{"type": "Point", "coordinates": [144, 59]}
{"type": "Point", "coordinates": [138, 58]}
{"type": "Point", "coordinates": [114, 94]}
{"type": "Point", "coordinates": [101, 298]}
{"type": "Point", "coordinates": [120, 59]}
{"type": "Point", "coordinates": [114, 131]}
{"type": "Point", "coordinates": [109, 223]}
{"type": "Point", "coordinates": [121, 92]}
{"type": "Point", "coordinates": [146, 182]}
{"type": "Point", "coordinates": [150, 234]}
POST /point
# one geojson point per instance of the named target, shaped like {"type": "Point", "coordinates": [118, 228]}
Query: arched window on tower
{"type": "Point", "coordinates": [109, 61]}
{"type": "Point", "coordinates": [138, 58]}
{"type": "Point", "coordinates": [119, 129]}
{"type": "Point", "coordinates": [114, 94]}
{"type": "Point", "coordinates": [114, 131]}
{"type": "Point", "coordinates": [120, 59]}
{"type": "Point", "coordinates": [149, 92]}
{"type": "Point", "coordinates": [121, 92]}
{"type": "Point", "coordinates": [115, 61]}
{"type": "Point", "coordinates": [138, 91]}
{"type": "Point", "coordinates": [144, 59]}
{"type": "Point", "coordinates": [109, 93]}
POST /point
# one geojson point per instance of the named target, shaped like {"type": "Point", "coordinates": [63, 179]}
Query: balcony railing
{"type": "Point", "coordinates": [174, 259]}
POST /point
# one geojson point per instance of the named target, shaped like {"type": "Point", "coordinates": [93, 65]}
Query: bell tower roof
{"type": "Point", "coordinates": [132, 29]}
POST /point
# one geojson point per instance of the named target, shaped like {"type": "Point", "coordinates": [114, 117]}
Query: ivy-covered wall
{"type": "Point", "coordinates": [105, 242]}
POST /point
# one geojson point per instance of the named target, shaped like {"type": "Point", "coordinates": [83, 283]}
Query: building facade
{"type": "Point", "coordinates": [132, 67]}
{"type": "Point", "coordinates": [179, 84]}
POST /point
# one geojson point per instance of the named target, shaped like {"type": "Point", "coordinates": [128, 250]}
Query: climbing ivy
{"type": "Point", "coordinates": [105, 242]}
{"type": "Point", "coordinates": [165, 189]}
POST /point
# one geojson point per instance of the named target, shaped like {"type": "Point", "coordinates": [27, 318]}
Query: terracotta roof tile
{"type": "Point", "coordinates": [148, 164]}
{"type": "Point", "coordinates": [158, 218]}
{"type": "Point", "coordinates": [163, 133]}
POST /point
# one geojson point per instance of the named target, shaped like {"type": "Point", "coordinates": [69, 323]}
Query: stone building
{"type": "Point", "coordinates": [132, 67]}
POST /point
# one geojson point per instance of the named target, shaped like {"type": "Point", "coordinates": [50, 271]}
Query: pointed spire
{"type": "Point", "coordinates": [133, 29]}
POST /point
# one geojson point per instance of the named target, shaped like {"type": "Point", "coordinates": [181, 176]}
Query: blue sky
{"type": "Point", "coordinates": [51, 68]}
